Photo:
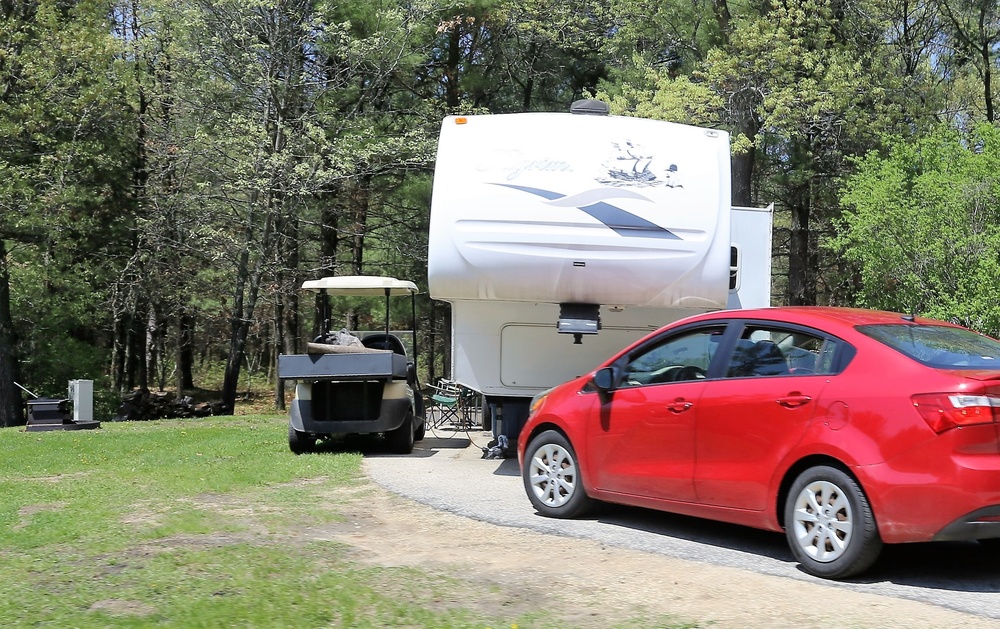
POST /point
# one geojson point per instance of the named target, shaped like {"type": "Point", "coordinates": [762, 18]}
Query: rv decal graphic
{"type": "Point", "coordinates": [592, 202]}
{"type": "Point", "coordinates": [629, 165]}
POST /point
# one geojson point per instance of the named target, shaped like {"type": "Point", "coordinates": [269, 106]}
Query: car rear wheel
{"type": "Point", "coordinates": [829, 524]}
{"type": "Point", "coordinates": [551, 477]}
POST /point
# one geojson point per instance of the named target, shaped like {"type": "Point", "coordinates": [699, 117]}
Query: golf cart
{"type": "Point", "coordinates": [355, 384]}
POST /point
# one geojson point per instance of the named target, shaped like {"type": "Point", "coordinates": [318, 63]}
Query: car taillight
{"type": "Point", "coordinates": [944, 411]}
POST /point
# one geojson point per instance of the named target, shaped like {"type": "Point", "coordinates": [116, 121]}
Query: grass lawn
{"type": "Point", "coordinates": [186, 524]}
{"type": "Point", "coordinates": [206, 523]}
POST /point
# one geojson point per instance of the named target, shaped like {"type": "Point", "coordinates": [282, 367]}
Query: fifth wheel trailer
{"type": "Point", "coordinates": [559, 238]}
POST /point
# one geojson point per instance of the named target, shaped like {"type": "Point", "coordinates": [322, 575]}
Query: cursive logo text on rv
{"type": "Point", "coordinates": [517, 168]}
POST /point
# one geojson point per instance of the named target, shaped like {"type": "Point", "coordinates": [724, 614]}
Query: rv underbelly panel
{"type": "Point", "coordinates": [521, 345]}
{"type": "Point", "coordinates": [513, 349]}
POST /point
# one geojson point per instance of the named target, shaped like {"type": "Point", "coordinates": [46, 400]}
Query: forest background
{"type": "Point", "coordinates": [172, 170]}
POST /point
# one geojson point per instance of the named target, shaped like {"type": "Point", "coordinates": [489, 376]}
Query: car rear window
{"type": "Point", "coordinates": [939, 346]}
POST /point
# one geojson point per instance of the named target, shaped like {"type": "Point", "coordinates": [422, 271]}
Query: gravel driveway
{"type": "Point", "coordinates": [450, 475]}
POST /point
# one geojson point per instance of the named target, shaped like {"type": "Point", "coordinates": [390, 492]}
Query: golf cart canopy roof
{"type": "Point", "coordinates": [361, 285]}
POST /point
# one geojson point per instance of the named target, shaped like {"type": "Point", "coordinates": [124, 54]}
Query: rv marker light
{"type": "Point", "coordinates": [461, 120]}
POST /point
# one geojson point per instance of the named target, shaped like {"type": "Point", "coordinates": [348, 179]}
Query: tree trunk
{"type": "Point", "coordinates": [358, 198]}
{"type": "Point", "coordinates": [286, 315]}
{"type": "Point", "coordinates": [130, 357]}
{"type": "Point", "coordinates": [234, 364]}
{"type": "Point", "coordinates": [139, 352]}
{"type": "Point", "coordinates": [529, 84]}
{"type": "Point", "coordinates": [742, 177]}
{"type": "Point", "coordinates": [185, 351]}
{"type": "Point", "coordinates": [986, 51]}
{"type": "Point", "coordinates": [801, 288]}
{"type": "Point", "coordinates": [118, 355]}
{"type": "Point", "coordinates": [244, 303]}
{"type": "Point", "coordinates": [152, 345]}
{"type": "Point", "coordinates": [452, 93]}
{"type": "Point", "coordinates": [11, 402]}
{"type": "Point", "coordinates": [329, 238]}
{"type": "Point", "coordinates": [279, 334]}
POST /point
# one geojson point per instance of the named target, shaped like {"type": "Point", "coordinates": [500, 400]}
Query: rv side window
{"type": "Point", "coordinates": [734, 267]}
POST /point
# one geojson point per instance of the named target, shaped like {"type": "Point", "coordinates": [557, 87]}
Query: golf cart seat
{"type": "Point", "coordinates": [384, 341]}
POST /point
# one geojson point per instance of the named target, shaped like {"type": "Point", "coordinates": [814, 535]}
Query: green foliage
{"type": "Point", "coordinates": [64, 186]}
{"type": "Point", "coordinates": [661, 97]}
{"type": "Point", "coordinates": [167, 164]}
{"type": "Point", "coordinates": [924, 227]}
{"type": "Point", "coordinates": [812, 70]}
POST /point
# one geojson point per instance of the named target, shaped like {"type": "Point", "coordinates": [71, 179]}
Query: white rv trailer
{"type": "Point", "coordinates": [559, 238]}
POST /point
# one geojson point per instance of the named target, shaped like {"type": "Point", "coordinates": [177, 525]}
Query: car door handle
{"type": "Point", "coordinates": [679, 406]}
{"type": "Point", "coordinates": [794, 400]}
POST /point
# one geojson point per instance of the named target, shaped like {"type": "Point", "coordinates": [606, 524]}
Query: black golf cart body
{"type": "Point", "coordinates": [366, 388]}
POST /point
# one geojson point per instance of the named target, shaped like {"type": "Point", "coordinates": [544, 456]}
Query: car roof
{"type": "Point", "coordinates": [825, 317]}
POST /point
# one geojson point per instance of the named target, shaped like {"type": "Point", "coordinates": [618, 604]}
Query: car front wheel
{"type": "Point", "coordinates": [551, 477]}
{"type": "Point", "coordinates": [829, 524]}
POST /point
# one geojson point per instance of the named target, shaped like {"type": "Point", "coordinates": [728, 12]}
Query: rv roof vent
{"type": "Point", "coordinates": [590, 107]}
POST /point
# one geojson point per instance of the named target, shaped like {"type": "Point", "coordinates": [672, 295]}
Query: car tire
{"type": "Point", "coordinates": [552, 479]}
{"type": "Point", "coordinates": [401, 439]}
{"type": "Point", "coordinates": [300, 442]}
{"type": "Point", "coordinates": [829, 524]}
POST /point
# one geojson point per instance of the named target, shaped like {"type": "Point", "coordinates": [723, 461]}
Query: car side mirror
{"type": "Point", "coordinates": [604, 379]}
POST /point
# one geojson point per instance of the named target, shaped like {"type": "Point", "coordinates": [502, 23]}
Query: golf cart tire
{"type": "Point", "coordinates": [400, 440]}
{"type": "Point", "coordinates": [299, 442]}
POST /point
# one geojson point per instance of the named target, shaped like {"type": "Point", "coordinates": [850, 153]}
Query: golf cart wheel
{"type": "Point", "coordinates": [300, 442]}
{"type": "Point", "coordinates": [421, 430]}
{"type": "Point", "coordinates": [401, 439]}
{"type": "Point", "coordinates": [551, 476]}
{"type": "Point", "coordinates": [829, 524]}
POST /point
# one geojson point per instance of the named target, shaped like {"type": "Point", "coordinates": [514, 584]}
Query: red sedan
{"type": "Point", "coordinates": [845, 428]}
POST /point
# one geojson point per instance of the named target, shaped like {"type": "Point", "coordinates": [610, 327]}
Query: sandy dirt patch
{"type": "Point", "coordinates": [588, 584]}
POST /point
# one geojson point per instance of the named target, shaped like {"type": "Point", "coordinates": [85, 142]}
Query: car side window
{"type": "Point", "coordinates": [775, 351]}
{"type": "Point", "coordinates": [679, 357]}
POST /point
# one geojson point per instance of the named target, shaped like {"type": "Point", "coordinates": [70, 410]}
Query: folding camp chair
{"type": "Point", "coordinates": [444, 408]}
{"type": "Point", "coordinates": [471, 402]}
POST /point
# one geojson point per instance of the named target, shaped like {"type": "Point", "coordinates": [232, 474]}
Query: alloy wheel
{"type": "Point", "coordinates": [552, 475]}
{"type": "Point", "coordinates": [823, 521]}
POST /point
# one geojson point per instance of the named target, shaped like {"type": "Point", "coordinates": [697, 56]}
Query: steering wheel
{"type": "Point", "coordinates": [690, 372]}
